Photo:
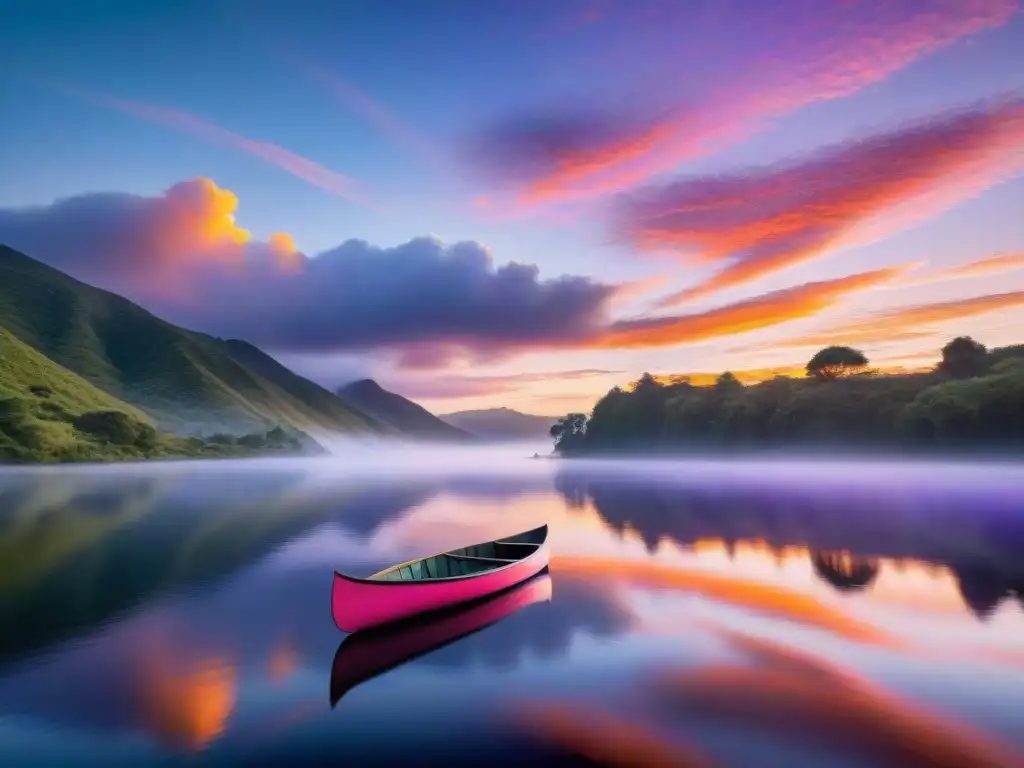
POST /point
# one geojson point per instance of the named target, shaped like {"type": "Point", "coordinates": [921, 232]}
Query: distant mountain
{"type": "Point", "coordinates": [399, 413]}
{"type": "Point", "coordinates": [187, 381]}
{"type": "Point", "coordinates": [501, 424]}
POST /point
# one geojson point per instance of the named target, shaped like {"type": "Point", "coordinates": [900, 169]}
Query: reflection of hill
{"type": "Point", "coordinates": [174, 670]}
{"type": "Point", "coordinates": [78, 558]}
{"type": "Point", "coordinates": [979, 540]}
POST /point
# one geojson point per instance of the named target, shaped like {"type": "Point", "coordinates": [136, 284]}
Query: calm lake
{"type": "Point", "coordinates": [770, 612]}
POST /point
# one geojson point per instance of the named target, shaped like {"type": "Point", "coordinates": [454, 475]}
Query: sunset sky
{"type": "Point", "coordinates": [525, 203]}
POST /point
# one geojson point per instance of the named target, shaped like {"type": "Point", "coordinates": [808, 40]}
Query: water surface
{"type": "Point", "coordinates": [733, 613]}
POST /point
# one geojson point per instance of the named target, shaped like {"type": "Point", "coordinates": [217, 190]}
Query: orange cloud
{"type": "Point", "coordinates": [297, 165]}
{"type": "Point", "coordinates": [586, 163]}
{"type": "Point", "coordinates": [901, 324]}
{"type": "Point", "coordinates": [286, 255]}
{"type": "Point", "coordinates": [605, 739]}
{"type": "Point", "coordinates": [767, 219]}
{"type": "Point", "coordinates": [772, 600]}
{"type": "Point", "coordinates": [752, 314]}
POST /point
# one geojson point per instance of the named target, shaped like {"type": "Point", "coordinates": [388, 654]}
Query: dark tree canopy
{"type": "Point", "coordinates": [964, 358]}
{"type": "Point", "coordinates": [911, 409]}
{"type": "Point", "coordinates": [728, 383]}
{"type": "Point", "coordinates": [569, 432]}
{"type": "Point", "coordinates": [833, 362]}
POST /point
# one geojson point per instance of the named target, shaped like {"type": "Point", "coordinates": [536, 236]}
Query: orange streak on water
{"type": "Point", "coordinates": [606, 739]}
{"type": "Point", "coordinates": [774, 600]}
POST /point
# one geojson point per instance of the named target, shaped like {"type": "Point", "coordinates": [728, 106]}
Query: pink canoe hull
{"type": "Point", "coordinates": [358, 604]}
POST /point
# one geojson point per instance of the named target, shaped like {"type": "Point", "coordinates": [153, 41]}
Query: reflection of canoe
{"type": "Point", "coordinates": [365, 655]}
{"type": "Point", "coordinates": [438, 581]}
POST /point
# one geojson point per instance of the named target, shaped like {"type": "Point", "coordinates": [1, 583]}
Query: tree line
{"type": "Point", "coordinates": [973, 397]}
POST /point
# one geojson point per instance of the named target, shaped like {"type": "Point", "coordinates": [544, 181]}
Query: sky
{"type": "Point", "coordinates": [525, 204]}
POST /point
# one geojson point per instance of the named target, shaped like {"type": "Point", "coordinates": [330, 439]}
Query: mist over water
{"type": "Point", "coordinates": [754, 610]}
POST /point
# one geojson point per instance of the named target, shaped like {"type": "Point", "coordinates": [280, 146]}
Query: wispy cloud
{"type": "Point", "coordinates": [766, 219]}
{"type": "Point", "coordinates": [371, 110]}
{"type": "Point", "coordinates": [790, 59]}
{"type": "Point", "coordinates": [759, 312]}
{"type": "Point", "coordinates": [455, 387]}
{"type": "Point", "coordinates": [310, 171]}
{"type": "Point", "coordinates": [993, 265]}
{"type": "Point", "coordinates": [908, 323]}
{"type": "Point", "coordinates": [295, 164]}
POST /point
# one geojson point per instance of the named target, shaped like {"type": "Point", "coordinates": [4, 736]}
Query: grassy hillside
{"type": "Point", "coordinates": [399, 413]}
{"type": "Point", "coordinates": [188, 382]}
{"type": "Point", "coordinates": [48, 413]}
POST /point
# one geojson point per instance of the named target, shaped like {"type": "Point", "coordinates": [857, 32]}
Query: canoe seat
{"type": "Point", "coordinates": [484, 559]}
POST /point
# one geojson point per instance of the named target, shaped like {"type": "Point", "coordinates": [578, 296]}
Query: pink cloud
{"type": "Point", "coordinates": [765, 219]}
{"type": "Point", "coordinates": [301, 167]}
{"type": "Point", "coordinates": [796, 56]}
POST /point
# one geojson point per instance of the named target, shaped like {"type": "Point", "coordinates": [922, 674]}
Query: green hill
{"type": "Point", "coordinates": [399, 413]}
{"type": "Point", "coordinates": [188, 382]}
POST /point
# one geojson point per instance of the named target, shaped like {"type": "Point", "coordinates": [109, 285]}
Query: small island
{"type": "Point", "coordinates": [973, 399]}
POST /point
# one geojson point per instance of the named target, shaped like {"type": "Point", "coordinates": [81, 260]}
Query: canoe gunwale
{"type": "Point", "coordinates": [370, 580]}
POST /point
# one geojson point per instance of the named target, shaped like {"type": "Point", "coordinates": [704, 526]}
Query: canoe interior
{"type": "Point", "coordinates": [466, 561]}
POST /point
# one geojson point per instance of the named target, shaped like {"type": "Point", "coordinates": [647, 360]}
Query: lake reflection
{"type": "Point", "coordinates": [696, 613]}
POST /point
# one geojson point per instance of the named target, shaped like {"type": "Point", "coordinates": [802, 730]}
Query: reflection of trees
{"type": "Point", "coordinates": [982, 588]}
{"type": "Point", "coordinates": [845, 570]}
{"type": "Point", "coordinates": [847, 532]}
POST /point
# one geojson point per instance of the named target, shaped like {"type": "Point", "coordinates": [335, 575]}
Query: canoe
{"type": "Point", "coordinates": [365, 655]}
{"type": "Point", "coordinates": [439, 581]}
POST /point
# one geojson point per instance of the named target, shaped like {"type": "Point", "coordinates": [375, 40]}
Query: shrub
{"type": "Point", "coordinates": [115, 427]}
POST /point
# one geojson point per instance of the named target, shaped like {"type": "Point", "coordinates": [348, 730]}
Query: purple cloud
{"type": "Point", "coordinates": [182, 256]}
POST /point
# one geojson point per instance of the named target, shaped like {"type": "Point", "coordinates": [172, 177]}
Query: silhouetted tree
{"type": "Point", "coordinates": [569, 432]}
{"type": "Point", "coordinates": [963, 358]}
{"type": "Point", "coordinates": [728, 384]}
{"type": "Point", "coordinates": [833, 362]}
